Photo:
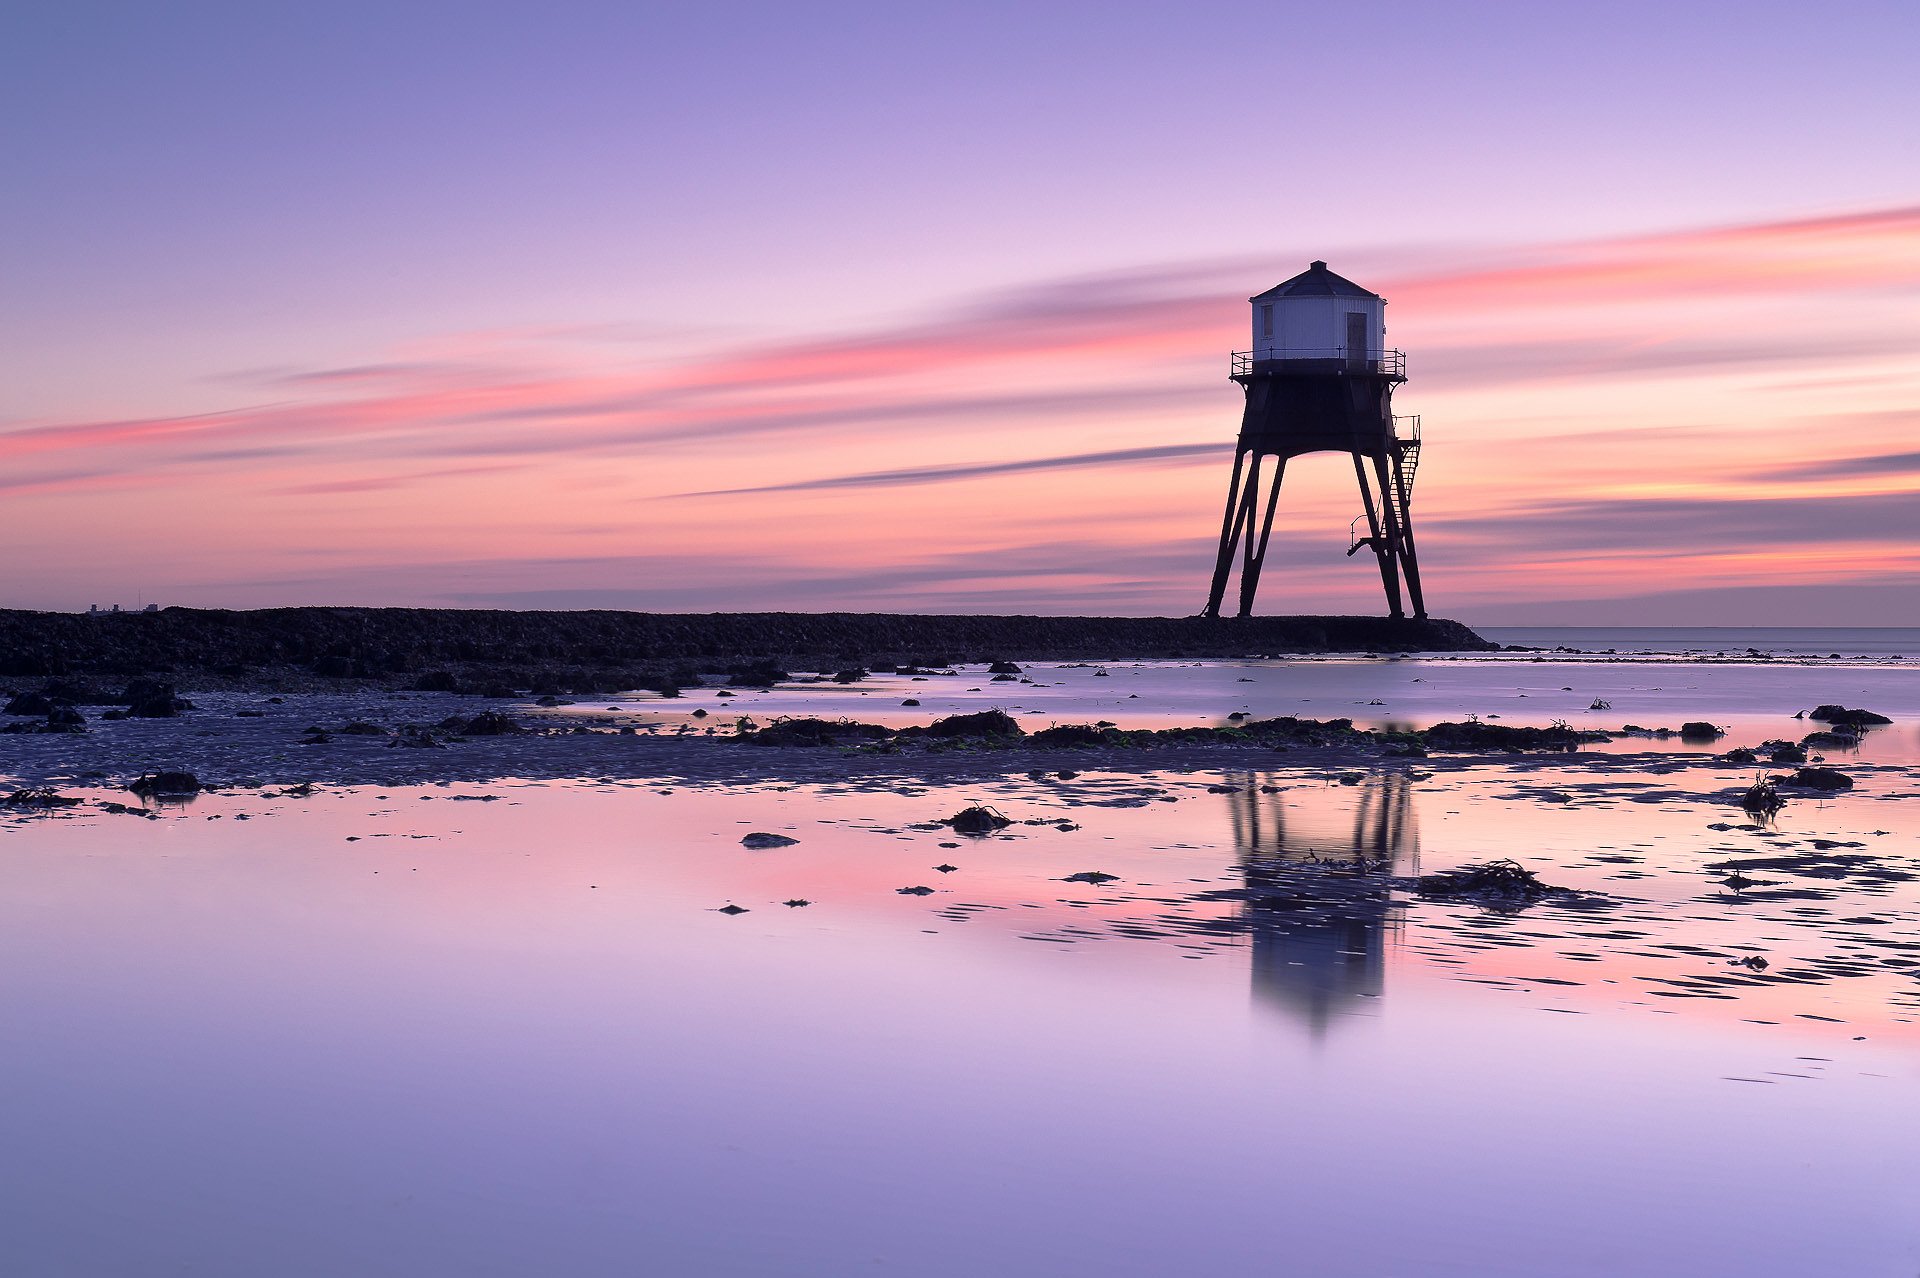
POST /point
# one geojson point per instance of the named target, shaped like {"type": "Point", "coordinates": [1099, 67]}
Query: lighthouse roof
{"type": "Point", "coordinates": [1315, 281]}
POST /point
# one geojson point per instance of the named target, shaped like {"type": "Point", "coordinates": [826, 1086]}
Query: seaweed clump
{"type": "Point", "coordinates": [1502, 882]}
{"type": "Point", "coordinates": [978, 819]}
{"type": "Point", "coordinates": [815, 732]}
{"type": "Point", "coordinates": [1474, 735]}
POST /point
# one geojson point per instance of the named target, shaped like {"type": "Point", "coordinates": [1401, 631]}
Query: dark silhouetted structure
{"type": "Point", "coordinates": [1320, 378]}
{"type": "Point", "coordinates": [1319, 904]}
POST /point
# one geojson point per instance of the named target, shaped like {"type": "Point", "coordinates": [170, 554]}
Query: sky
{"type": "Point", "coordinates": [929, 307]}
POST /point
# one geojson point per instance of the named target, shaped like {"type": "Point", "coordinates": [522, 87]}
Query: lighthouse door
{"type": "Point", "coordinates": [1357, 340]}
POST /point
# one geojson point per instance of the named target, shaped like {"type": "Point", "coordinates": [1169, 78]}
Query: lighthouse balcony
{"type": "Point", "coordinates": [1287, 360]}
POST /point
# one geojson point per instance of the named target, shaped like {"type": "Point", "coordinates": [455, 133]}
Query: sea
{"type": "Point", "coordinates": [1209, 1014]}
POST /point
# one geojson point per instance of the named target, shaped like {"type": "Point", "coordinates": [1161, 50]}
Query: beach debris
{"type": "Point", "coordinates": [984, 723]}
{"type": "Point", "coordinates": [165, 785]}
{"type": "Point", "coordinates": [1502, 882]}
{"type": "Point", "coordinates": [1761, 799]}
{"type": "Point", "coordinates": [762, 839]}
{"type": "Point", "coordinates": [1700, 730]}
{"type": "Point", "coordinates": [796, 903]}
{"type": "Point", "coordinates": [1090, 876]}
{"type": "Point", "coordinates": [1817, 779]}
{"type": "Point", "coordinates": [1840, 716]}
{"type": "Point", "coordinates": [731, 908]}
{"type": "Point", "coordinates": [978, 819]}
{"type": "Point", "coordinates": [914, 891]}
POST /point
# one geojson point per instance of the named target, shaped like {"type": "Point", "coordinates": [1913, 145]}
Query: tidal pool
{"type": "Point", "coordinates": [505, 1028]}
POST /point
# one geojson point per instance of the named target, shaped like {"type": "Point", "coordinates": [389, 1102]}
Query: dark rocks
{"type": "Point", "coordinates": [1830, 740]}
{"type": "Point", "coordinates": [66, 717]}
{"type": "Point", "coordinates": [1077, 734]}
{"type": "Point", "coordinates": [986, 723]}
{"type": "Point", "coordinates": [1817, 779]}
{"type": "Point", "coordinates": [758, 674]}
{"type": "Point", "coordinates": [38, 800]}
{"type": "Point", "coordinates": [436, 681]}
{"type": "Point", "coordinates": [1003, 668]}
{"type": "Point", "coordinates": [1740, 755]}
{"type": "Point", "coordinates": [852, 674]}
{"type": "Point", "coordinates": [798, 902]}
{"type": "Point", "coordinates": [35, 704]}
{"type": "Point", "coordinates": [815, 732]}
{"type": "Point", "coordinates": [1090, 876]}
{"type": "Point", "coordinates": [165, 785]}
{"type": "Point", "coordinates": [914, 891]}
{"type": "Point", "coordinates": [760, 839]}
{"type": "Point", "coordinates": [731, 909]}
{"type": "Point", "coordinates": [1840, 716]}
{"type": "Point", "coordinates": [1493, 736]}
{"type": "Point", "coordinates": [488, 723]}
{"type": "Point", "coordinates": [1700, 730]}
{"type": "Point", "coordinates": [1784, 752]}
{"type": "Point", "coordinates": [151, 699]}
{"type": "Point", "coordinates": [911, 701]}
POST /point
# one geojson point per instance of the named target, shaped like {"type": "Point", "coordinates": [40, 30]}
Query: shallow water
{"type": "Point", "coordinates": [424, 1031]}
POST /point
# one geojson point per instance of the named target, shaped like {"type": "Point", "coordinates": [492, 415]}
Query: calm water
{"type": "Point", "coordinates": [1819, 641]}
{"type": "Point", "coordinates": [415, 1031]}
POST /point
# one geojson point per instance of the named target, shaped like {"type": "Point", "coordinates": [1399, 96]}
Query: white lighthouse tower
{"type": "Point", "coordinates": [1319, 377]}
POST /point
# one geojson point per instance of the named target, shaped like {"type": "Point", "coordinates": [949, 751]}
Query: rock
{"type": "Point", "coordinates": [436, 681]}
{"type": "Point", "coordinates": [914, 891]}
{"type": "Point", "coordinates": [1818, 779]}
{"type": "Point", "coordinates": [150, 785]}
{"type": "Point", "coordinates": [853, 674]}
{"type": "Point", "coordinates": [1076, 734]}
{"type": "Point", "coordinates": [1699, 730]}
{"type": "Point", "coordinates": [1003, 668]}
{"type": "Point", "coordinates": [1090, 876]}
{"type": "Point", "coordinates": [1830, 740]}
{"type": "Point", "coordinates": [759, 674]}
{"type": "Point", "coordinates": [986, 723]}
{"type": "Point", "coordinates": [488, 723]}
{"type": "Point", "coordinates": [1741, 755]}
{"type": "Point", "coordinates": [942, 867]}
{"type": "Point", "coordinates": [1840, 716]}
{"type": "Point", "coordinates": [62, 716]}
{"type": "Point", "coordinates": [1784, 752]}
{"type": "Point", "coordinates": [29, 703]}
{"type": "Point", "coordinates": [731, 909]}
{"type": "Point", "coordinates": [796, 903]}
{"type": "Point", "coordinates": [761, 839]}
{"type": "Point", "coordinates": [911, 701]}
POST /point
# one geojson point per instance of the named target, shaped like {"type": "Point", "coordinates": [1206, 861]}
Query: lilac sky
{"type": "Point", "coordinates": [928, 308]}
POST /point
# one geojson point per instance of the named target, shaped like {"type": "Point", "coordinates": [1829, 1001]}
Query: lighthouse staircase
{"type": "Point", "coordinates": [1404, 463]}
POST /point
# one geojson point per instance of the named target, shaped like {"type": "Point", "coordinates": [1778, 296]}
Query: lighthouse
{"type": "Point", "coordinates": [1319, 378]}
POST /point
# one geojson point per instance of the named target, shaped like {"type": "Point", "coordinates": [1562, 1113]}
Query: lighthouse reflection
{"type": "Point", "coordinates": [1318, 866]}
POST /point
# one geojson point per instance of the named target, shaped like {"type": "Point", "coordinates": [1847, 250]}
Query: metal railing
{"type": "Point", "coordinates": [1392, 363]}
{"type": "Point", "coordinates": [1407, 429]}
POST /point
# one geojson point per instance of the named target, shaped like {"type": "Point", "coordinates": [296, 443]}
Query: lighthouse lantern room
{"type": "Point", "coordinates": [1319, 377]}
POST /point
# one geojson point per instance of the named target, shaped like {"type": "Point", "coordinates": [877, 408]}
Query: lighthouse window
{"type": "Point", "coordinates": [1266, 321]}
